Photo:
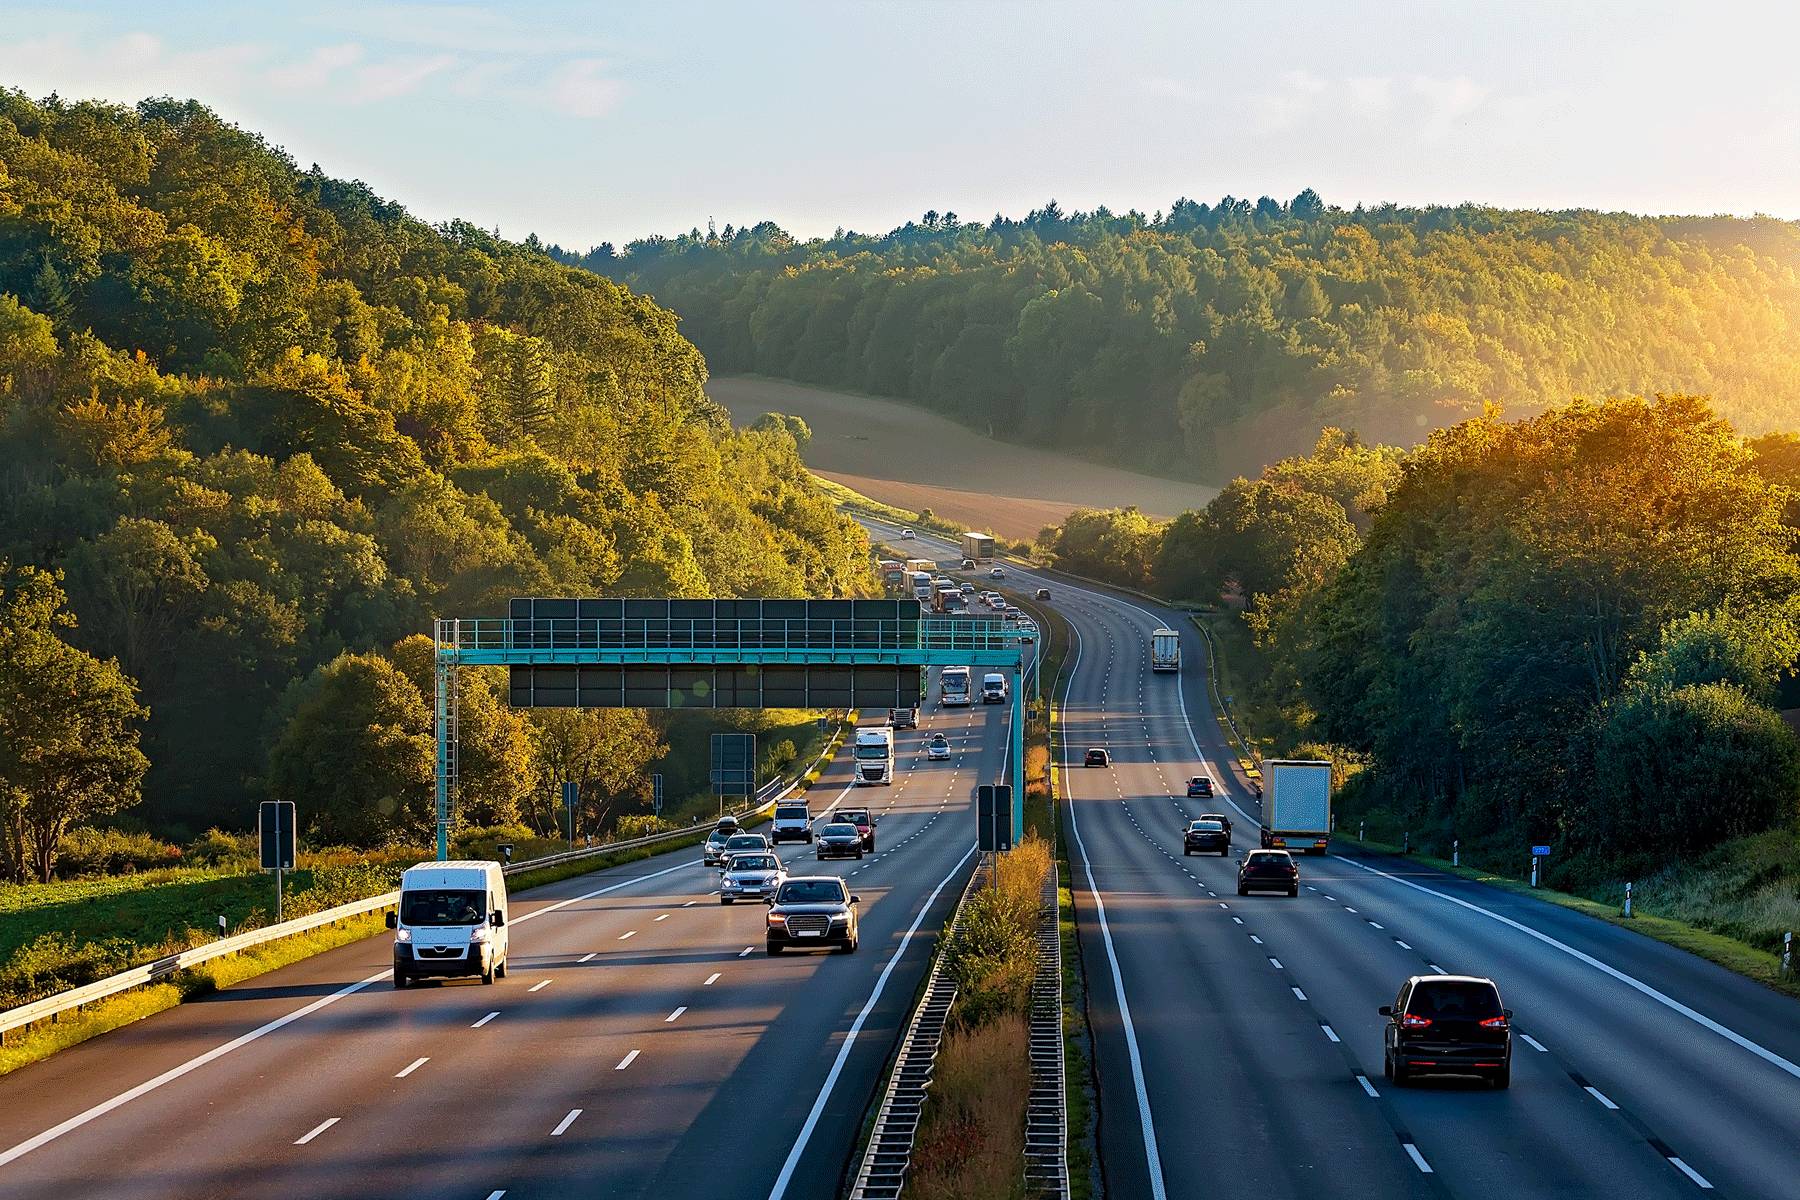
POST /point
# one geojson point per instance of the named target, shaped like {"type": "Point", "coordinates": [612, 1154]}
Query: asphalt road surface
{"type": "Point", "coordinates": [1238, 1049]}
{"type": "Point", "coordinates": [643, 1044]}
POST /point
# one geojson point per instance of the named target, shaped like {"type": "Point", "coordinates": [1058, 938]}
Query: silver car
{"type": "Point", "coordinates": [751, 877]}
{"type": "Point", "coordinates": [713, 853]}
{"type": "Point", "coordinates": [741, 843]}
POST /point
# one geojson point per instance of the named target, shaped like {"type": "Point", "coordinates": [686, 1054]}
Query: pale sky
{"type": "Point", "coordinates": [609, 121]}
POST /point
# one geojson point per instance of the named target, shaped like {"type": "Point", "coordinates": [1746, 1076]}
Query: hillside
{"type": "Point", "coordinates": [1213, 339]}
{"type": "Point", "coordinates": [260, 416]}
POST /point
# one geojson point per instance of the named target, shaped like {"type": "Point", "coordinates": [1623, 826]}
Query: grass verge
{"type": "Point", "coordinates": [1728, 952]}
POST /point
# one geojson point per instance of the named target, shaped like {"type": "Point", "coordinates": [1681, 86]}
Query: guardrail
{"type": "Point", "coordinates": [888, 1156]}
{"type": "Point", "coordinates": [1047, 1108]}
{"type": "Point", "coordinates": [51, 1007]}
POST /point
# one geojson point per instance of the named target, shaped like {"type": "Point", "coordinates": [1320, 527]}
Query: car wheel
{"type": "Point", "coordinates": [1294, 891]}
{"type": "Point", "coordinates": [401, 980]}
{"type": "Point", "coordinates": [1387, 1065]}
{"type": "Point", "coordinates": [1502, 1078]}
{"type": "Point", "coordinates": [500, 968]}
{"type": "Point", "coordinates": [774, 947]}
{"type": "Point", "coordinates": [1242, 890]}
{"type": "Point", "coordinates": [724, 899]}
{"type": "Point", "coordinates": [859, 856]}
{"type": "Point", "coordinates": [487, 976]}
{"type": "Point", "coordinates": [1185, 852]}
{"type": "Point", "coordinates": [1226, 851]}
{"type": "Point", "coordinates": [1402, 1074]}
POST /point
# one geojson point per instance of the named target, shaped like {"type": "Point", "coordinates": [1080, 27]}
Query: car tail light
{"type": "Point", "coordinates": [1494, 1023]}
{"type": "Point", "coordinates": [1414, 1021]}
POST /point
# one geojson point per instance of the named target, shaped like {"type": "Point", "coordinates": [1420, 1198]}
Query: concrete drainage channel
{"type": "Point", "coordinates": [889, 1152]}
{"type": "Point", "coordinates": [888, 1155]}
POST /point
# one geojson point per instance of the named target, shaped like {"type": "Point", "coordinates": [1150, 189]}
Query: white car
{"type": "Point", "coordinates": [1027, 631]}
{"type": "Point", "coordinates": [751, 877]}
{"type": "Point", "coordinates": [906, 535]}
{"type": "Point", "coordinates": [997, 573]}
{"type": "Point", "coordinates": [938, 747]}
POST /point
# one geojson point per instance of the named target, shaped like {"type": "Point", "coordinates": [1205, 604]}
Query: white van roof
{"type": "Point", "coordinates": [992, 676]}
{"type": "Point", "coordinates": [465, 873]}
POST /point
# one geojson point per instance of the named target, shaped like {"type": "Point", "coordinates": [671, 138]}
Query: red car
{"type": "Point", "coordinates": [864, 822]}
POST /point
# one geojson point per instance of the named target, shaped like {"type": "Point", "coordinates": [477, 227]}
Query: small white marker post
{"type": "Point", "coordinates": [1787, 953]}
{"type": "Point", "coordinates": [1456, 852]}
{"type": "Point", "coordinates": [1534, 863]}
{"type": "Point", "coordinates": [1628, 898]}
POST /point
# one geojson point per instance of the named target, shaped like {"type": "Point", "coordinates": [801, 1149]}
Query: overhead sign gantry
{"type": "Point", "coordinates": [662, 653]}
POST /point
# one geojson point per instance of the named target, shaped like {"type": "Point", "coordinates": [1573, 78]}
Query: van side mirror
{"type": "Point", "coordinates": [856, 899]}
{"type": "Point", "coordinates": [1386, 1010]}
{"type": "Point", "coordinates": [393, 921]}
{"type": "Point", "coordinates": [496, 918]}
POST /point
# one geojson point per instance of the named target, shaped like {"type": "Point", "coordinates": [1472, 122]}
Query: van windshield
{"type": "Point", "coordinates": [791, 813]}
{"type": "Point", "coordinates": [443, 906]}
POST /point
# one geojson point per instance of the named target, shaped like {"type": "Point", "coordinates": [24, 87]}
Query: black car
{"type": "Point", "coordinates": [840, 840]}
{"type": "Point", "coordinates": [1097, 757]}
{"type": "Point", "coordinates": [1221, 818]}
{"type": "Point", "coordinates": [1450, 1025]}
{"type": "Point", "coordinates": [813, 910]}
{"type": "Point", "coordinates": [1043, 593]}
{"type": "Point", "coordinates": [1200, 788]}
{"type": "Point", "coordinates": [1268, 871]}
{"type": "Point", "coordinates": [1206, 837]}
{"type": "Point", "coordinates": [864, 821]}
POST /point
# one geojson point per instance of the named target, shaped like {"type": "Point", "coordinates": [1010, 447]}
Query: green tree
{"type": "Point", "coordinates": [496, 767]}
{"type": "Point", "coordinates": [68, 729]}
{"type": "Point", "coordinates": [606, 752]}
{"type": "Point", "coordinates": [356, 755]}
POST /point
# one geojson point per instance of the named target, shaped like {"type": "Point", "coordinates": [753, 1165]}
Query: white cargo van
{"type": "Point", "coordinates": [451, 921]}
{"type": "Point", "coordinates": [993, 688]}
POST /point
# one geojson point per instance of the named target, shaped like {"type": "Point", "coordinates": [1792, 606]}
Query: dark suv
{"type": "Point", "coordinates": [813, 910]}
{"type": "Point", "coordinates": [1200, 788]}
{"type": "Point", "coordinates": [1268, 871]}
{"type": "Point", "coordinates": [1448, 1024]}
{"type": "Point", "coordinates": [1205, 836]}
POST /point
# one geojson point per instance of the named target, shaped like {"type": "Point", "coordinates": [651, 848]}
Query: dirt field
{"type": "Point", "coordinates": [912, 459]}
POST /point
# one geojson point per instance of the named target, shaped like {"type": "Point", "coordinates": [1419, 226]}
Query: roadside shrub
{"type": "Point", "coordinates": [86, 852]}
{"type": "Point", "coordinates": [216, 847]}
{"type": "Point", "coordinates": [637, 825]}
{"type": "Point", "coordinates": [994, 952]}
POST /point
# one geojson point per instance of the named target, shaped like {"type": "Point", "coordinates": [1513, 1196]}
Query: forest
{"type": "Point", "coordinates": [1237, 330]}
{"type": "Point", "coordinates": [259, 425]}
{"type": "Point", "coordinates": [1573, 628]}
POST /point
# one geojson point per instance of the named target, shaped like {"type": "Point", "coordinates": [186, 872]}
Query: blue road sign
{"type": "Point", "coordinates": [1540, 852]}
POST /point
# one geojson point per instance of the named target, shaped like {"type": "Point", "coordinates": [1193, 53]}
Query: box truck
{"type": "Point", "coordinates": [977, 547]}
{"type": "Point", "coordinates": [1296, 805]}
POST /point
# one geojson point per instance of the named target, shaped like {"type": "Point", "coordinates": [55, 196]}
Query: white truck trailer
{"type": "Point", "coordinates": [977, 547]}
{"type": "Point", "coordinates": [874, 752]}
{"type": "Point", "coordinates": [1296, 805]}
{"type": "Point", "coordinates": [1165, 650]}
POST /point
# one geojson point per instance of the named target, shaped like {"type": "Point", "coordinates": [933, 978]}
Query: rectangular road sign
{"type": "Point", "coordinates": [993, 817]}
{"type": "Point", "coordinates": [734, 764]}
{"type": "Point", "coordinates": [1540, 852]}
{"type": "Point", "coordinates": [656, 793]}
{"type": "Point", "coordinates": [275, 834]}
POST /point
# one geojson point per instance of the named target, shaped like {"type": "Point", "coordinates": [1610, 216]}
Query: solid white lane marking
{"type": "Point", "coordinates": [1412, 1152]}
{"type": "Point", "coordinates": [629, 934]}
{"type": "Point", "coordinates": [176, 1072]}
{"type": "Point", "coordinates": [1535, 1044]}
{"type": "Point", "coordinates": [1367, 1086]}
{"type": "Point", "coordinates": [1298, 994]}
{"type": "Point", "coordinates": [316, 1130]}
{"type": "Point", "coordinates": [1331, 1033]}
{"type": "Point", "coordinates": [1601, 1096]}
{"type": "Point", "coordinates": [539, 986]}
{"type": "Point", "coordinates": [837, 1067]}
{"type": "Point", "coordinates": [711, 979]}
{"type": "Point", "coordinates": [1697, 1177]}
{"type": "Point", "coordinates": [672, 1016]}
{"type": "Point", "coordinates": [1699, 1018]}
{"type": "Point", "coordinates": [1153, 1159]}
{"type": "Point", "coordinates": [485, 1020]}
{"type": "Point", "coordinates": [563, 1125]}
{"type": "Point", "coordinates": [626, 1061]}
{"type": "Point", "coordinates": [414, 1065]}
{"type": "Point", "coordinates": [588, 957]}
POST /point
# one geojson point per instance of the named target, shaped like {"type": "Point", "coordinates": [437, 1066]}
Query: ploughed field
{"type": "Point", "coordinates": [911, 458]}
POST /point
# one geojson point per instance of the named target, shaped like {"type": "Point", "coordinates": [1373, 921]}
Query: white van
{"type": "Point", "coordinates": [993, 688]}
{"type": "Point", "coordinates": [451, 921]}
{"type": "Point", "coordinates": [792, 821]}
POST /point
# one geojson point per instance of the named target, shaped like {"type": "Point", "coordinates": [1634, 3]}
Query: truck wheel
{"type": "Point", "coordinates": [487, 976]}
{"type": "Point", "coordinates": [500, 968]}
{"type": "Point", "coordinates": [401, 980]}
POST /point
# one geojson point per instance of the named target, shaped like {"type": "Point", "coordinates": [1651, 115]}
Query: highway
{"type": "Point", "coordinates": [643, 1044]}
{"type": "Point", "coordinates": [1238, 1050]}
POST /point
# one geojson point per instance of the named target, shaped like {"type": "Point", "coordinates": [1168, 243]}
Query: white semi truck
{"type": "Point", "coordinates": [977, 547]}
{"type": "Point", "coordinates": [874, 752]}
{"type": "Point", "coordinates": [1165, 650]}
{"type": "Point", "coordinates": [1296, 805]}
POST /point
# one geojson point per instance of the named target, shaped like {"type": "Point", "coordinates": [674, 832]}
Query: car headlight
{"type": "Point", "coordinates": [777, 919]}
{"type": "Point", "coordinates": [403, 935]}
{"type": "Point", "coordinates": [478, 934]}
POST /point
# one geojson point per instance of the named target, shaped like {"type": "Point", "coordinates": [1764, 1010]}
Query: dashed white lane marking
{"type": "Point", "coordinates": [626, 1061]}
{"type": "Point", "coordinates": [589, 957]}
{"type": "Point", "coordinates": [1256, 939]}
{"type": "Point", "coordinates": [1401, 944]}
{"type": "Point", "coordinates": [690, 904]}
{"type": "Point", "coordinates": [496, 1195]}
{"type": "Point", "coordinates": [664, 917]}
{"type": "Point", "coordinates": [1276, 963]}
{"type": "Point", "coordinates": [1697, 1177]}
{"type": "Point", "coordinates": [1347, 909]}
{"type": "Point", "coordinates": [1331, 1033]}
{"type": "Point", "coordinates": [562, 1126]}
{"type": "Point", "coordinates": [1239, 920]}
{"type": "Point", "coordinates": [674, 1015]}
{"type": "Point", "coordinates": [409, 1068]}
{"type": "Point", "coordinates": [1367, 1086]}
{"type": "Point", "coordinates": [485, 1020]}
{"type": "Point", "coordinates": [1376, 925]}
{"type": "Point", "coordinates": [539, 986]}
{"type": "Point", "coordinates": [711, 979]}
{"type": "Point", "coordinates": [1298, 994]}
{"type": "Point", "coordinates": [629, 934]}
{"type": "Point", "coordinates": [1535, 1044]}
{"type": "Point", "coordinates": [1439, 969]}
{"type": "Point", "coordinates": [1412, 1152]}
{"type": "Point", "coordinates": [316, 1130]}
{"type": "Point", "coordinates": [1602, 1097]}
